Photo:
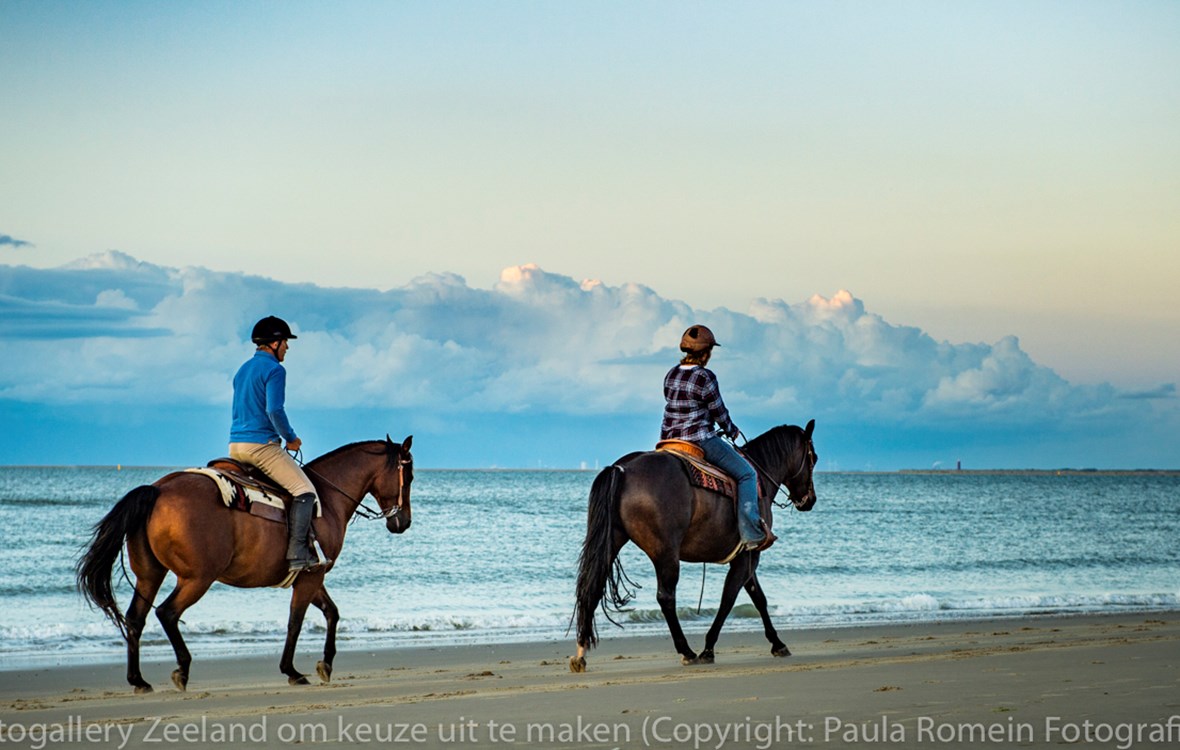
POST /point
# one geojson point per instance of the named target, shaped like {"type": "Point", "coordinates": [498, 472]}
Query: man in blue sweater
{"type": "Point", "coordinates": [259, 428]}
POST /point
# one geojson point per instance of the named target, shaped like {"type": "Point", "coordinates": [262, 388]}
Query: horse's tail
{"type": "Point", "coordinates": [600, 573]}
{"type": "Point", "coordinates": [94, 567]}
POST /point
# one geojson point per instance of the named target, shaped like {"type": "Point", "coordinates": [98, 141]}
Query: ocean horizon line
{"type": "Point", "coordinates": [995, 471]}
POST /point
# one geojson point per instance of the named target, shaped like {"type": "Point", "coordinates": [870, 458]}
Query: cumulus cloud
{"type": "Point", "coordinates": [112, 329]}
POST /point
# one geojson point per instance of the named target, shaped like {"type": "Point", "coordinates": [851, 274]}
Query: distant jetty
{"type": "Point", "coordinates": [1046, 472]}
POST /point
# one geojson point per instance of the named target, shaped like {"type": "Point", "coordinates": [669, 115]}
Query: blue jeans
{"type": "Point", "coordinates": [722, 454]}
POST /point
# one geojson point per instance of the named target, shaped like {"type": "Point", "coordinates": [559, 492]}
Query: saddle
{"type": "Point", "coordinates": [700, 472]}
{"type": "Point", "coordinates": [247, 489]}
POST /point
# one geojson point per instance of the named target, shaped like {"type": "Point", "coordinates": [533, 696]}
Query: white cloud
{"type": "Point", "coordinates": [536, 342]}
{"type": "Point", "coordinates": [115, 298]}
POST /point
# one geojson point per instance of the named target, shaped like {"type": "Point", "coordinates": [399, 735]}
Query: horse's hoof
{"type": "Point", "coordinates": [689, 661]}
{"type": "Point", "coordinates": [324, 670]}
{"type": "Point", "coordinates": [706, 657]}
{"type": "Point", "coordinates": [143, 689]}
{"type": "Point", "coordinates": [781, 651]}
{"type": "Point", "coordinates": [297, 680]}
{"type": "Point", "coordinates": [577, 664]}
{"type": "Point", "coordinates": [180, 680]}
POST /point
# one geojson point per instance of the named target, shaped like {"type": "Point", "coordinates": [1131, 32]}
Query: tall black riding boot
{"type": "Point", "coordinates": [299, 554]}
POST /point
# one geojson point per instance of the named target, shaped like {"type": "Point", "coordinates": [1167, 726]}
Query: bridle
{"type": "Point", "coordinates": [393, 511]}
{"type": "Point", "coordinates": [806, 463]}
{"type": "Point", "coordinates": [364, 511]}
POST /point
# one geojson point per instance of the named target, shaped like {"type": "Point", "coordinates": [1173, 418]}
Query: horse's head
{"type": "Point", "coordinates": [392, 486]}
{"type": "Point", "coordinates": [786, 457]}
{"type": "Point", "coordinates": [799, 482]}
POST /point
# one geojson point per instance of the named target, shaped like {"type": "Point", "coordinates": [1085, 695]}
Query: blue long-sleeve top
{"type": "Point", "coordinates": [259, 392]}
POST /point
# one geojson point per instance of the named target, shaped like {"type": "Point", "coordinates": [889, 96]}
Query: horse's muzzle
{"type": "Point", "coordinates": [807, 502]}
{"type": "Point", "coordinates": [397, 524]}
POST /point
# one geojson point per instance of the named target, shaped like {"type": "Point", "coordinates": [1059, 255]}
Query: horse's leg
{"type": "Point", "coordinates": [146, 588]}
{"type": "Point", "coordinates": [740, 571]}
{"type": "Point", "coordinates": [331, 618]}
{"type": "Point", "coordinates": [187, 592]}
{"type": "Point", "coordinates": [667, 576]}
{"type": "Point", "coordinates": [758, 596]}
{"type": "Point", "coordinates": [302, 593]}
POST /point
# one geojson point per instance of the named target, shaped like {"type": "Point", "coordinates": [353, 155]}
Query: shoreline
{"type": "Point", "coordinates": [157, 649]}
{"type": "Point", "coordinates": [1037, 678]}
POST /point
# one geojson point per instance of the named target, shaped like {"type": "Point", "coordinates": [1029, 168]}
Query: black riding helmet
{"type": "Point", "coordinates": [271, 329]}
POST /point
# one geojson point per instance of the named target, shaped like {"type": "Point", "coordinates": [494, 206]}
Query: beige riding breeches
{"type": "Point", "coordinates": [276, 462]}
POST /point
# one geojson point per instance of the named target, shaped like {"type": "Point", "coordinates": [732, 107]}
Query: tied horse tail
{"type": "Point", "coordinates": [94, 568]}
{"type": "Point", "coordinates": [600, 573]}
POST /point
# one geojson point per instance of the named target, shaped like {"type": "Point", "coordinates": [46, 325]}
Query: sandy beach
{"type": "Point", "coordinates": [1099, 681]}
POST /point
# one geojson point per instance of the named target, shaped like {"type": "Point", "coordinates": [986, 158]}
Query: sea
{"type": "Point", "coordinates": [492, 557]}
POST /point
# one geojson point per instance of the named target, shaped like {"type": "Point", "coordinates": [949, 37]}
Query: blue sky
{"type": "Point", "coordinates": [971, 172]}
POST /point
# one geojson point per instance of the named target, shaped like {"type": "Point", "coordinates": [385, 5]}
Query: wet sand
{"type": "Point", "coordinates": [1086, 681]}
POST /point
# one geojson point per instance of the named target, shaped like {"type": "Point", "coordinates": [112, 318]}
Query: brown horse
{"type": "Point", "coordinates": [646, 498]}
{"type": "Point", "coordinates": [181, 524]}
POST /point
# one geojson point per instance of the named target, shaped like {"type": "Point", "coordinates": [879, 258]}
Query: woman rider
{"type": "Point", "coordinates": [693, 406]}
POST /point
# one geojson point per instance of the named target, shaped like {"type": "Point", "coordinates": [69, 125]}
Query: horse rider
{"type": "Point", "coordinates": [693, 406]}
{"type": "Point", "coordinates": [260, 426]}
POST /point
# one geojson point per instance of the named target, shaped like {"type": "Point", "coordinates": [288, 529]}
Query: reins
{"type": "Point", "coordinates": [362, 510]}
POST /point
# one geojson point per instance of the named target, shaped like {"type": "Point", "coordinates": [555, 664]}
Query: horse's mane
{"type": "Point", "coordinates": [383, 446]}
{"type": "Point", "coordinates": [774, 444]}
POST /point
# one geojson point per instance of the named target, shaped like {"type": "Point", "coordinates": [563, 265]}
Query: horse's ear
{"type": "Point", "coordinates": [809, 429]}
{"type": "Point", "coordinates": [406, 443]}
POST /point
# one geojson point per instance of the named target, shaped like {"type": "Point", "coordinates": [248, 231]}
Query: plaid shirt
{"type": "Point", "coordinates": [694, 404]}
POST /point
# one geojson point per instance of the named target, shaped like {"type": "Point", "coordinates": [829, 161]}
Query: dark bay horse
{"type": "Point", "coordinates": [646, 498]}
{"type": "Point", "coordinates": [181, 524]}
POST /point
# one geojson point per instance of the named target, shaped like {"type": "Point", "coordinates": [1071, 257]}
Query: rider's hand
{"type": "Point", "coordinates": [294, 445]}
